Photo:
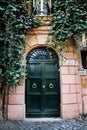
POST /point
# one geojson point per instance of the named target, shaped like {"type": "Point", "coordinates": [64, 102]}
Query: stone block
{"type": "Point", "coordinates": [70, 111]}
{"type": "Point", "coordinates": [73, 62]}
{"type": "Point", "coordinates": [64, 70]}
{"type": "Point", "coordinates": [16, 112]}
{"type": "Point", "coordinates": [77, 79]}
{"type": "Point", "coordinates": [65, 89]}
{"type": "Point", "coordinates": [79, 99]}
{"type": "Point", "coordinates": [16, 99]}
{"type": "Point", "coordinates": [75, 56]}
{"type": "Point", "coordinates": [73, 88]}
{"type": "Point", "coordinates": [69, 98]}
{"type": "Point", "coordinates": [20, 89]}
{"type": "Point", "coordinates": [73, 70]}
{"type": "Point", "coordinates": [68, 79]}
{"type": "Point", "coordinates": [78, 88]}
{"type": "Point", "coordinates": [42, 39]}
{"type": "Point", "coordinates": [69, 55]}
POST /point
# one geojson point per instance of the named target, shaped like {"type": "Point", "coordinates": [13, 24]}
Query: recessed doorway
{"type": "Point", "coordinates": [42, 93]}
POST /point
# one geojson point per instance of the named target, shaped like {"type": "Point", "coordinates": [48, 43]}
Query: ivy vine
{"type": "Point", "coordinates": [14, 23]}
{"type": "Point", "coordinates": [69, 19]}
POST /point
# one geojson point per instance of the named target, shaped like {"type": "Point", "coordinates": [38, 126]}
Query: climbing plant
{"type": "Point", "coordinates": [14, 23]}
{"type": "Point", "coordinates": [69, 19]}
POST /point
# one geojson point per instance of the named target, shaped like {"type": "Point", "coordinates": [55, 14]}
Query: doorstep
{"type": "Point", "coordinates": [43, 119]}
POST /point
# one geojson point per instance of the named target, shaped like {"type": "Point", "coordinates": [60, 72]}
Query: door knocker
{"type": "Point", "coordinates": [51, 85]}
{"type": "Point", "coordinates": [34, 85]}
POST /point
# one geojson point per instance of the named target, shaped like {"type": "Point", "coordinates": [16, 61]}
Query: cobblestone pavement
{"type": "Point", "coordinates": [48, 125]}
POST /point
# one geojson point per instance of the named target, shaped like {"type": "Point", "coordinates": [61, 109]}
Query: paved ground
{"type": "Point", "coordinates": [48, 125]}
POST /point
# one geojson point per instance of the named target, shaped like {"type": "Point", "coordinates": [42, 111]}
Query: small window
{"type": "Point", "coordinates": [84, 58]}
{"type": "Point", "coordinates": [40, 7]}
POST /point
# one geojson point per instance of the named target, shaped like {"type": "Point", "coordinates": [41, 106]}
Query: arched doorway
{"type": "Point", "coordinates": [42, 94]}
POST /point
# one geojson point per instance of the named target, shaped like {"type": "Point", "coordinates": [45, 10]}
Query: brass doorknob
{"type": "Point", "coordinates": [51, 85]}
{"type": "Point", "coordinates": [34, 85]}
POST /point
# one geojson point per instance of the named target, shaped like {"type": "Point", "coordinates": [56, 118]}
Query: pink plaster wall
{"type": "Point", "coordinates": [16, 112]}
{"type": "Point", "coordinates": [16, 103]}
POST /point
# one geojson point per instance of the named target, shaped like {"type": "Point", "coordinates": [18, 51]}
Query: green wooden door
{"type": "Point", "coordinates": [42, 84]}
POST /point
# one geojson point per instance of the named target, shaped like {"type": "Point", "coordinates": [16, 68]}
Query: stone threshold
{"type": "Point", "coordinates": [43, 119]}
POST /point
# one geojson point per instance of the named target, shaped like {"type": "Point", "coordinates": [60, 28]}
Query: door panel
{"type": "Point", "coordinates": [50, 69]}
{"type": "Point", "coordinates": [51, 103]}
{"type": "Point", "coordinates": [51, 86]}
{"type": "Point", "coordinates": [34, 69]}
{"type": "Point", "coordinates": [42, 88]}
{"type": "Point", "coordinates": [34, 86]}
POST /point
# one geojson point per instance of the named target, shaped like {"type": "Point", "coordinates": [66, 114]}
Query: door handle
{"type": "Point", "coordinates": [51, 85]}
{"type": "Point", "coordinates": [34, 85]}
{"type": "Point", "coordinates": [43, 86]}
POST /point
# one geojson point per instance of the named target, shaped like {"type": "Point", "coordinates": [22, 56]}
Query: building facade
{"type": "Point", "coordinates": [53, 87]}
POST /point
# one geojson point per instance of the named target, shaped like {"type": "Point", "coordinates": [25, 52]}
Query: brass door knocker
{"type": "Point", "coordinates": [34, 85]}
{"type": "Point", "coordinates": [51, 85]}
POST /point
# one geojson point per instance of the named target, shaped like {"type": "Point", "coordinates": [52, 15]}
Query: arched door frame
{"type": "Point", "coordinates": [54, 50]}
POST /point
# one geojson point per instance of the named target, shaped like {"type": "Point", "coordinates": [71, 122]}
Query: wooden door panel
{"type": "Point", "coordinates": [34, 104]}
{"type": "Point", "coordinates": [42, 85]}
{"type": "Point", "coordinates": [50, 69]}
{"type": "Point", "coordinates": [34, 69]}
{"type": "Point", "coordinates": [51, 85]}
{"type": "Point", "coordinates": [34, 86]}
{"type": "Point", "coordinates": [52, 102]}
